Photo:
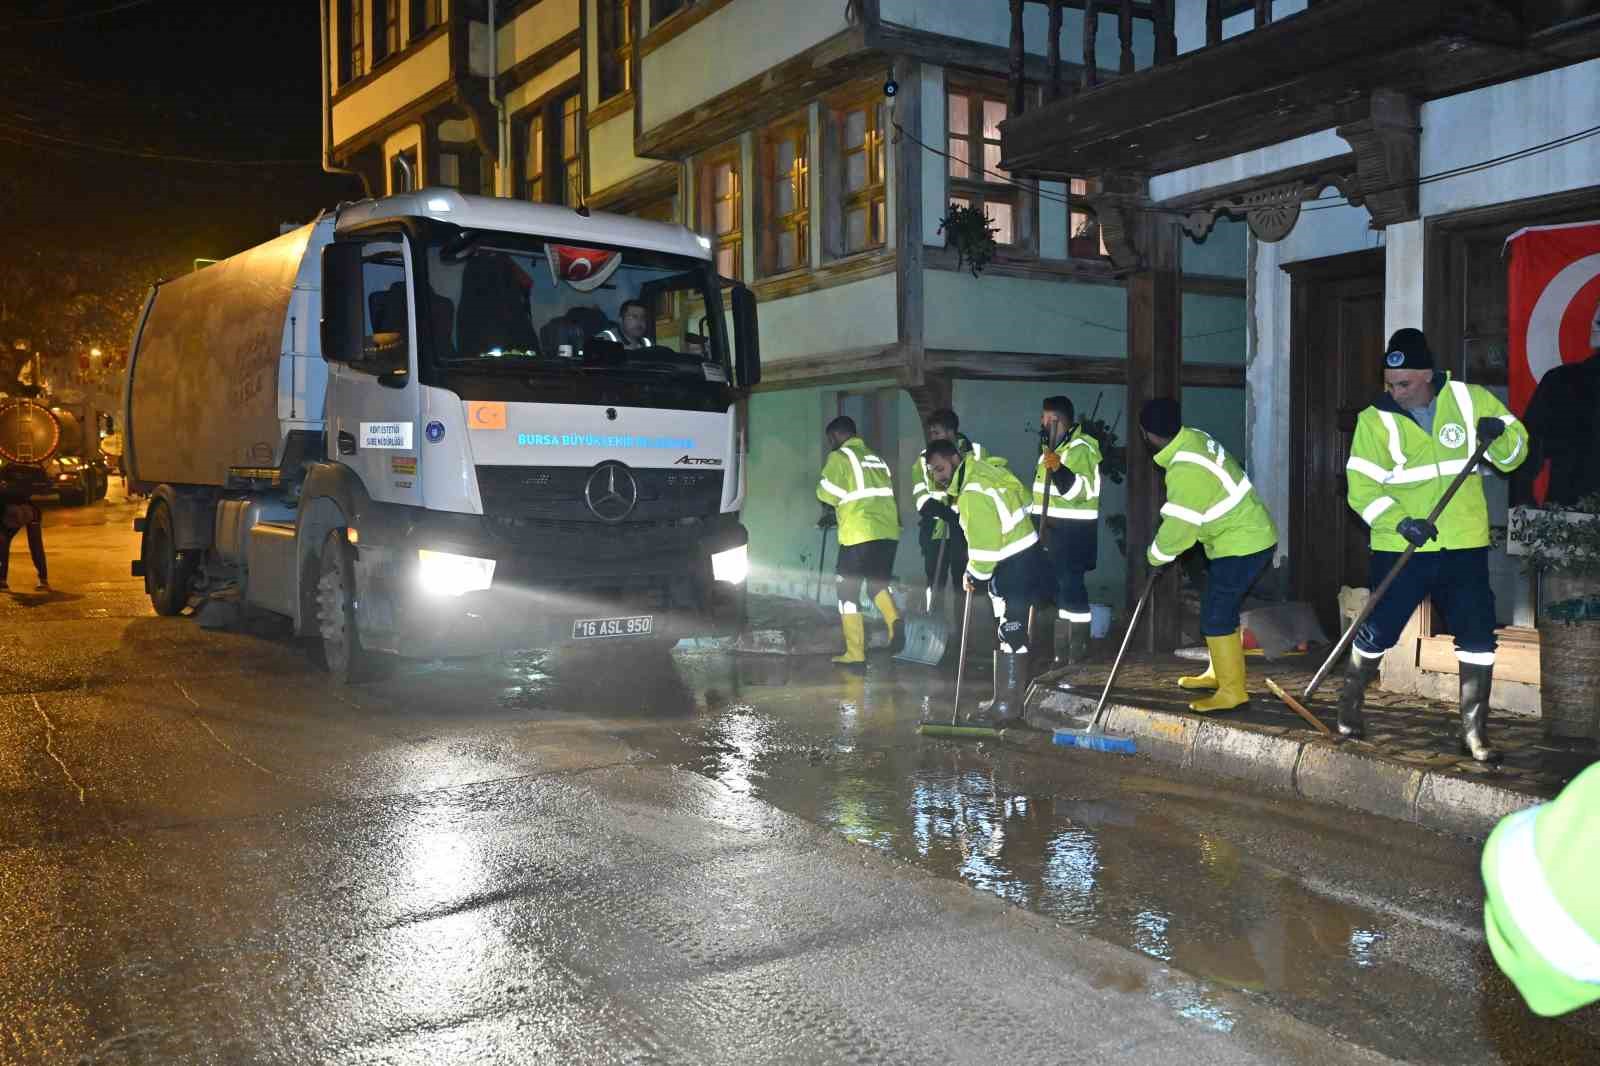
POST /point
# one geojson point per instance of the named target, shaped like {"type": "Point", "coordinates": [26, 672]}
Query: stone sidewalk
{"type": "Point", "coordinates": [1408, 766]}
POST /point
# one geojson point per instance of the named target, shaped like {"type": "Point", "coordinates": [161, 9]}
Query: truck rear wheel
{"type": "Point", "coordinates": [167, 571]}
{"type": "Point", "coordinates": [342, 652]}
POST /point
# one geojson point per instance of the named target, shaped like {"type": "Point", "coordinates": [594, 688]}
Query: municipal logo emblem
{"type": "Point", "coordinates": [435, 431]}
{"type": "Point", "coordinates": [1395, 359]}
{"type": "Point", "coordinates": [1452, 435]}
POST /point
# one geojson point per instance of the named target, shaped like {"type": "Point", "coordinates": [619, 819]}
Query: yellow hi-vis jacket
{"type": "Point", "coordinates": [1540, 910]}
{"type": "Point", "coordinates": [1080, 453]}
{"type": "Point", "coordinates": [1399, 470]}
{"type": "Point", "coordinates": [857, 484]}
{"type": "Point", "coordinates": [994, 516]}
{"type": "Point", "coordinates": [1209, 500]}
{"type": "Point", "coordinates": [923, 489]}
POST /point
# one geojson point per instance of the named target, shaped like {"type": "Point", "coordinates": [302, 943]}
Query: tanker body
{"type": "Point", "coordinates": [418, 427]}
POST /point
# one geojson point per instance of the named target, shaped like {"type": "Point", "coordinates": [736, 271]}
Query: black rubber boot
{"type": "Point", "coordinates": [1041, 640]}
{"type": "Point", "coordinates": [1077, 643]}
{"type": "Point", "coordinates": [1357, 676]}
{"type": "Point", "coordinates": [1010, 682]}
{"type": "Point", "coordinates": [1476, 680]}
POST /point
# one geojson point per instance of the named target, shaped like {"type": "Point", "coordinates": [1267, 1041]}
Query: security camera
{"type": "Point", "coordinates": [890, 86]}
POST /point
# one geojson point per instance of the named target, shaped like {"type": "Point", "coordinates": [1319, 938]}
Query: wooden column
{"type": "Point", "coordinates": [1015, 105]}
{"type": "Point", "coordinates": [1125, 35]}
{"type": "Point", "coordinates": [1053, 90]}
{"type": "Point", "coordinates": [1164, 17]}
{"type": "Point", "coordinates": [1091, 27]}
{"type": "Point", "coordinates": [1213, 22]}
{"type": "Point", "coordinates": [1263, 12]}
{"type": "Point", "coordinates": [909, 249]}
{"type": "Point", "coordinates": [1155, 366]}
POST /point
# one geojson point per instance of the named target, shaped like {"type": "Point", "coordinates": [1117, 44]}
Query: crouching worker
{"type": "Point", "coordinates": [1003, 559]}
{"type": "Point", "coordinates": [857, 492]}
{"type": "Point", "coordinates": [1209, 500]}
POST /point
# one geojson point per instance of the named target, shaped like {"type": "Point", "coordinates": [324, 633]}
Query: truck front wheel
{"type": "Point", "coordinates": [342, 652]}
{"type": "Point", "coordinates": [167, 570]}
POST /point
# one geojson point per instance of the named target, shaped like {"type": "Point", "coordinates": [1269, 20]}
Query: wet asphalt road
{"type": "Point", "coordinates": [210, 854]}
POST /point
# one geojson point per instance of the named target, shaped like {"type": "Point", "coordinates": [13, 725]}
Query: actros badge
{"type": "Point", "coordinates": [697, 460]}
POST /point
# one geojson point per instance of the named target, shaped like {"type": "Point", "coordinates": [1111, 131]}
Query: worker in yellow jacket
{"type": "Point", "coordinates": [857, 493]}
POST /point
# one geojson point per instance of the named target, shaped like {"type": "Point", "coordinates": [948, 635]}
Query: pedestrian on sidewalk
{"type": "Point", "coordinates": [1541, 913]}
{"type": "Point", "coordinates": [1210, 500]}
{"type": "Point", "coordinates": [938, 527]}
{"type": "Point", "coordinates": [1070, 459]}
{"type": "Point", "coordinates": [1408, 447]}
{"type": "Point", "coordinates": [17, 515]}
{"type": "Point", "coordinates": [1003, 560]}
{"type": "Point", "coordinates": [857, 493]}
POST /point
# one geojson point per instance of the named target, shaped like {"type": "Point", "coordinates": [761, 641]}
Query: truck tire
{"type": "Point", "coordinates": [168, 571]}
{"type": "Point", "coordinates": [342, 652]}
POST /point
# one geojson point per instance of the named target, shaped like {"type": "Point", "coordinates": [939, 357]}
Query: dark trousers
{"type": "Point", "coordinates": [1019, 583]}
{"type": "Point", "coordinates": [1228, 580]}
{"type": "Point", "coordinates": [1072, 547]}
{"type": "Point", "coordinates": [871, 561]}
{"type": "Point", "coordinates": [955, 552]}
{"type": "Point", "coordinates": [35, 549]}
{"type": "Point", "coordinates": [1457, 579]}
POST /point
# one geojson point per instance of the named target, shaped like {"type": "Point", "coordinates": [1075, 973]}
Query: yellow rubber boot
{"type": "Point", "coordinates": [891, 618]}
{"type": "Point", "coordinates": [1201, 681]}
{"type": "Point", "coordinates": [855, 640]}
{"type": "Point", "coordinates": [1227, 659]}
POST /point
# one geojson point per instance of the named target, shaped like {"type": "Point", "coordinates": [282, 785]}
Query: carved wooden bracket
{"type": "Point", "coordinates": [1270, 212]}
{"type": "Point", "coordinates": [1387, 146]}
{"type": "Point", "coordinates": [1121, 208]}
{"type": "Point", "coordinates": [932, 393]}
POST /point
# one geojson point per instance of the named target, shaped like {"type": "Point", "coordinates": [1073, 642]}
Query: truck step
{"type": "Point", "coordinates": [138, 568]}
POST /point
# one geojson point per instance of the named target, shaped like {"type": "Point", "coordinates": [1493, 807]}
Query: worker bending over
{"type": "Point", "coordinates": [1210, 500]}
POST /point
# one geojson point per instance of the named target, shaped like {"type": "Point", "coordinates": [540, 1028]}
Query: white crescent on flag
{"type": "Point", "coordinates": [584, 269]}
{"type": "Point", "coordinates": [1552, 288]}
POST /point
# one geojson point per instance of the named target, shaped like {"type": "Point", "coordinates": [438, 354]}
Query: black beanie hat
{"type": "Point", "coordinates": [1162, 417]}
{"type": "Point", "coordinates": [1408, 350]}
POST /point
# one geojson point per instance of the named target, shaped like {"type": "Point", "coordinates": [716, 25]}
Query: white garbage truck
{"type": "Point", "coordinates": [435, 424]}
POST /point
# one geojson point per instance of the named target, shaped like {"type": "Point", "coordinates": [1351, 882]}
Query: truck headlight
{"type": "Point", "coordinates": [732, 566]}
{"type": "Point", "coordinates": [444, 574]}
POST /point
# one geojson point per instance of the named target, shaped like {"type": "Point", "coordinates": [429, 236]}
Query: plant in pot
{"type": "Point", "coordinates": [969, 231]}
{"type": "Point", "coordinates": [1562, 545]}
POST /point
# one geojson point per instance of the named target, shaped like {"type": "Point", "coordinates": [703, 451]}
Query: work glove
{"type": "Point", "coordinates": [1490, 428]}
{"type": "Point", "coordinates": [974, 586]}
{"type": "Point", "coordinates": [1052, 461]}
{"type": "Point", "coordinates": [938, 509]}
{"type": "Point", "coordinates": [829, 518]}
{"type": "Point", "coordinates": [1417, 531]}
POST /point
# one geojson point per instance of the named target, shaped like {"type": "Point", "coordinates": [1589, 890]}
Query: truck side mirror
{"type": "Point", "coordinates": [343, 322]}
{"type": "Point", "coordinates": [746, 339]}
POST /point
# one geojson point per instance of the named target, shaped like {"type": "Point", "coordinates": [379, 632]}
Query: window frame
{"type": "Point", "coordinates": [657, 17]}
{"type": "Point", "coordinates": [621, 52]}
{"type": "Point", "coordinates": [352, 40]}
{"type": "Point", "coordinates": [425, 16]}
{"type": "Point", "coordinates": [795, 131]}
{"type": "Point", "coordinates": [706, 199]}
{"type": "Point", "coordinates": [385, 31]}
{"type": "Point", "coordinates": [1076, 246]}
{"type": "Point", "coordinates": [981, 191]}
{"type": "Point", "coordinates": [560, 177]}
{"type": "Point", "coordinates": [839, 200]}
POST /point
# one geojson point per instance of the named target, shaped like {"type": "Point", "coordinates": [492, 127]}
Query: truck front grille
{"type": "Point", "coordinates": [557, 494]}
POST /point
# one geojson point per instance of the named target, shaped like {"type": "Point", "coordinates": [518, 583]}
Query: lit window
{"type": "Point", "coordinates": [533, 161]}
{"type": "Point", "coordinates": [976, 178]}
{"type": "Point", "coordinates": [616, 47]}
{"type": "Point", "coordinates": [1084, 239]}
{"type": "Point", "coordinates": [787, 215]}
{"type": "Point", "coordinates": [722, 211]}
{"type": "Point", "coordinates": [385, 29]}
{"type": "Point", "coordinates": [862, 165]}
{"type": "Point", "coordinates": [352, 56]}
{"type": "Point", "coordinates": [572, 151]}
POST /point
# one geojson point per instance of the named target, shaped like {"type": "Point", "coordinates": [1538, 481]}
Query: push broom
{"type": "Point", "coordinates": [939, 729]}
{"type": "Point", "coordinates": [1092, 739]}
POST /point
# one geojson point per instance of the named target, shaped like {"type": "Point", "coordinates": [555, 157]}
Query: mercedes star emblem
{"type": "Point", "coordinates": [611, 492]}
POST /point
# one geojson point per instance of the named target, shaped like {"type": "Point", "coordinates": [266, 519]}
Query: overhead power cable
{"type": "Point", "coordinates": [17, 129]}
{"type": "Point", "coordinates": [22, 24]}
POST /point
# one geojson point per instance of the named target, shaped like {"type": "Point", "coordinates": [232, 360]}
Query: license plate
{"type": "Point", "coordinates": [639, 625]}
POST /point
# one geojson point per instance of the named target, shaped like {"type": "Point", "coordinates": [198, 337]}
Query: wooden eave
{"type": "Point", "coordinates": [1309, 72]}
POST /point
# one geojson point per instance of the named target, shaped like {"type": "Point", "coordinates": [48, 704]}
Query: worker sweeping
{"type": "Point", "coordinates": [1003, 559]}
{"type": "Point", "coordinates": [1210, 500]}
{"type": "Point", "coordinates": [1408, 447]}
{"type": "Point", "coordinates": [944, 549]}
{"type": "Point", "coordinates": [1070, 459]}
{"type": "Point", "coordinates": [857, 492]}
{"type": "Point", "coordinates": [1541, 914]}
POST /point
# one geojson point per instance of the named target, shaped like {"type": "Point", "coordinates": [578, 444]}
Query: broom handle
{"type": "Point", "coordinates": [961, 663]}
{"type": "Point", "coordinates": [1133, 623]}
{"type": "Point", "coordinates": [938, 574]}
{"type": "Point", "coordinates": [1394, 571]}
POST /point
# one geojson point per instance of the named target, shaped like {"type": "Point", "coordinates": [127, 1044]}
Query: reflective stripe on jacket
{"type": "Point", "coordinates": [1399, 470]}
{"type": "Point", "coordinates": [857, 484]}
{"type": "Point", "coordinates": [1209, 500]}
{"type": "Point", "coordinates": [1541, 912]}
{"type": "Point", "coordinates": [1080, 453]}
{"type": "Point", "coordinates": [994, 516]}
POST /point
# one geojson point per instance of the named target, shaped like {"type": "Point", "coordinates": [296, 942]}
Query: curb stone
{"type": "Point", "coordinates": [1310, 767]}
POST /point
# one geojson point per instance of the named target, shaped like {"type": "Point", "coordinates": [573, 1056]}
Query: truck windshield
{"type": "Point", "coordinates": [570, 322]}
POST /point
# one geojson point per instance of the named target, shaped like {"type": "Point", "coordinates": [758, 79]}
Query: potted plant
{"type": "Point", "coordinates": [969, 231]}
{"type": "Point", "coordinates": [1562, 545]}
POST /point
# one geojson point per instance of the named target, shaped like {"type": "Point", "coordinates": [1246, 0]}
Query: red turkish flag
{"type": "Point", "coordinates": [1553, 295]}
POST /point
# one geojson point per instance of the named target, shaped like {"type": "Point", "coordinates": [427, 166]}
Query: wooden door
{"type": "Point", "coordinates": [1336, 369]}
